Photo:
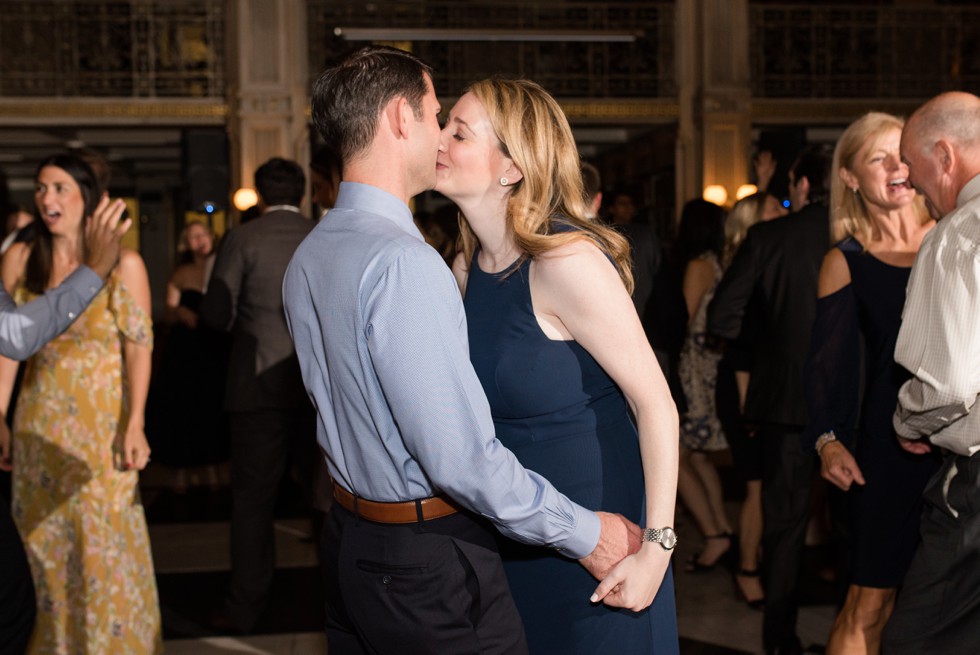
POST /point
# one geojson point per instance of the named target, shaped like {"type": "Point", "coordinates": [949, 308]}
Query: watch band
{"type": "Point", "coordinates": [652, 534]}
{"type": "Point", "coordinates": [666, 537]}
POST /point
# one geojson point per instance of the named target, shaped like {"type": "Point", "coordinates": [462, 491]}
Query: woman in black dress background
{"type": "Point", "coordinates": [185, 420]}
{"type": "Point", "coordinates": [878, 223]}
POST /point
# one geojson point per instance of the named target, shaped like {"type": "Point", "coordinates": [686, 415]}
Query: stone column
{"type": "Point", "coordinates": [269, 90]}
{"type": "Point", "coordinates": [714, 130]}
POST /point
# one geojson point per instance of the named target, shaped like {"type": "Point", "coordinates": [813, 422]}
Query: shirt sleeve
{"type": "Point", "coordinates": [24, 330]}
{"type": "Point", "coordinates": [416, 334]}
{"type": "Point", "coordinates": [938, 341]}
{"type": "Point", "coordinates": [833, 370]}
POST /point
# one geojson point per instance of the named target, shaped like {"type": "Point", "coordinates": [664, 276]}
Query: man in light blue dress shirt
{"type": "Point", "coordinates": [409, 561]}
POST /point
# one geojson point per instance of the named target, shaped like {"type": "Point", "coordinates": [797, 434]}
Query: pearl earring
{"type": "Point", "coordinates": [504, 181]}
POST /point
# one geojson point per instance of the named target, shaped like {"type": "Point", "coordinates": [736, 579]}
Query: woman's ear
{"type": "Point", "coordinates": [512, 172]}
{"type": "Point", "coordinates": [848, 179]}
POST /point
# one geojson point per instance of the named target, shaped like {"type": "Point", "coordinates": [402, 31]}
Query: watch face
{"type": "Point", "coordinates": [668, 538]}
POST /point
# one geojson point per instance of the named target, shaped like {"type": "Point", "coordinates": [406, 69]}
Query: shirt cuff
{"type": "Point", "coordinates": [901, 429]}
{"type": "Point", "coordinates": [86, 281]}
{"type": "Point", "coordinates": [585, 536]}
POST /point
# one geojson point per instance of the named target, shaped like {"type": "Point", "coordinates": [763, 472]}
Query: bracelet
{"type": "Point", "coordinates": [824, 439]}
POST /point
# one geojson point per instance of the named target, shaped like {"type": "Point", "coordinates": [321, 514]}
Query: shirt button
{"type": "Point", "coordinates": [386, 579]}
{"type": "Point", "coordinates": [71, 315]}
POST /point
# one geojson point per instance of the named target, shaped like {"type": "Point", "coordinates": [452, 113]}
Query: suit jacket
{"type": "Point", "coordinates": [244, 296]}
{"type": "Point", "coordinates": [779, 262]}
{"type": "Point", "coordinates": [645, 262]}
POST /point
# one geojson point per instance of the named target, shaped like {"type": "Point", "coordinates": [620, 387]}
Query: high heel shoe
{"type": "Point", "coordinates": [696, 566]}
{"type": "Point", "coordinates": [756, 604]}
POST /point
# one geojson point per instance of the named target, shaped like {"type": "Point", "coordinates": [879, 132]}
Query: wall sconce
{"type": "Point", "coordinates": [745, 191]}
{"type": "Point", "coordinates": [244, 198]}
{"type": "Point", "coordinates": [716, 193]}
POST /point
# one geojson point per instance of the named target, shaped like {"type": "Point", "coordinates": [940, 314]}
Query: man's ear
{"type": "Point", "coordinates": [397, 114]}
{"type": "Point", "coordinates": [946, 155]}
{"type": "Point", "coordinates": [804, 184]}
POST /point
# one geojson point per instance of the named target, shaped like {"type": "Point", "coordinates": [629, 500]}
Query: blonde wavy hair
{"type": "Point", "coordinates": [849, 215]}
{"type": "Point", "coordinates": [535, 134]}
{"type": "Point", "coordinates": [744, 214]}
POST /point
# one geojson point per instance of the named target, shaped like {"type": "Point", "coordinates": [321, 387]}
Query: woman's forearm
{"type": "Point", "coordinates": [138, 363]}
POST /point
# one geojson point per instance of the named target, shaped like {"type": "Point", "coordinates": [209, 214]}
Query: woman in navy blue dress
{"type": "Point", "coordinates": [564, 361]}
{"type": "Point", "coordinates": [879, 224]}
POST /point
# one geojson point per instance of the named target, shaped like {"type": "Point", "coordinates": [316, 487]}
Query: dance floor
{"type": "Point", "coordinates": [190, 532]}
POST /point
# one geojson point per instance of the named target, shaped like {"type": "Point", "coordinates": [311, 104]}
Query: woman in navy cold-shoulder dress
{"type": "Point", "coordinates": [880, 224]}
{"type": "Point", "coordinates": [564, 361]}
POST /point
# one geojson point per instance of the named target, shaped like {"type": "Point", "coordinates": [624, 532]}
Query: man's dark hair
{"type": "Point", "coordinates": [280, 182]}
{"type": "Point", "coordinates": [814, 163]}
{"type": "Point", "coordinates": [349, 97]}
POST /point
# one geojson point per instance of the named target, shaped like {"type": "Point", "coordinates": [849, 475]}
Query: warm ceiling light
{"type": "Point", "coordinates": [245, 198]}
{"type": "Point", "coordinates": [426, 34]}
{"type": "Point", "coordinates": [745, 191]}
{"type": "Point", "coordinates": [716, 193]}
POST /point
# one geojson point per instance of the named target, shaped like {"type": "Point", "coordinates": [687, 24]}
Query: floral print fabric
{"type": "Point", "coordinates": [698, 370]}
{"type": "Point", "coordinates": [81, 517]}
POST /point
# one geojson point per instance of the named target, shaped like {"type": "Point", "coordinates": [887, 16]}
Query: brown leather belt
{"type": "Point", "coordinates": [434, 507]}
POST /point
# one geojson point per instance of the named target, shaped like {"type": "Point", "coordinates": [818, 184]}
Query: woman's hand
{"type": "Point", "coordinates": [187, 316]}
{"type": "Point", "coordinates": [634, 582]}
{"type": "Point", "coordinates": [838, 466]}
{"type": "Point", "coordinates": [133, 450]}
{"type": "Point", "coordinates": [6, 455]}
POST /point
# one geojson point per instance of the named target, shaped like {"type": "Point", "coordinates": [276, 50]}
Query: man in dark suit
{"type": "Point", "coordinates": [645, 251]}
{"type": "Point", "coordinates": [269, 412]}
{"type": "Point", "coordinates": [780, 261]}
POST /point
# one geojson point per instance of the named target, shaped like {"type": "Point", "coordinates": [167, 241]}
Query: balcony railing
{"type": "Point", "coordinates": [846, 51]}
{"type": "Point", "coordinates": [643, 68]}
{"type": "Point", "coordinates": [95, 48]}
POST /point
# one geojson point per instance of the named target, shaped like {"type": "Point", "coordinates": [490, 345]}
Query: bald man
{"type": "Point", "coordinates": [938, 608]}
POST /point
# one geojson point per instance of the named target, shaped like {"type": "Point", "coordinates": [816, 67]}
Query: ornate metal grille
{"type": "Point", "coordinates": [644, 68]}
{"type": "Point", "coordinates": [135, 48]}
{"type": "Point", "coordinates": [842, 51]}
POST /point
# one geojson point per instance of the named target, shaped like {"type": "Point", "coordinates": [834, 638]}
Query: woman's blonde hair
{"type": "Point", "coordinates": [744, 214]}
{"type": "Point", "coordinates": [535, 134]}
{"type": "Point", "coordinates": [849, 215]}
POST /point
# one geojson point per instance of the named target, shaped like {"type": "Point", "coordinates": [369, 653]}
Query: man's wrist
{"type": "Point", "coordinates": [584, 538]}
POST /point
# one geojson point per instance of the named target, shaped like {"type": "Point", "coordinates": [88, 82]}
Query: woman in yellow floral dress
{"type": "Point", "coordinates": [78, 440]}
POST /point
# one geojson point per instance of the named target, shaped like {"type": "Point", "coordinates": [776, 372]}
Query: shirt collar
{"type": "Point", "coordinates": [366, 198]}
{"type": "Point", "coordinates": [970, 191]}
{"type": "Point", "coordinates": [276, 208]}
